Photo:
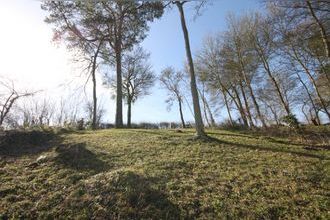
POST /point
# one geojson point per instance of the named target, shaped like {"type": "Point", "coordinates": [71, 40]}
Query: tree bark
{"type": "Point", "coordinates": [119, 97]}
{"type": "Point", "coordinates": [197, 111]}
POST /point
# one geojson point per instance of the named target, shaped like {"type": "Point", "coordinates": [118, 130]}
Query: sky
{"type": "Point", "coordinates": [34, 62]}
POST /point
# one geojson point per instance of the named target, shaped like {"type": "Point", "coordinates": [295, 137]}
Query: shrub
{"type": "Point", "coordinates": [291, 120]}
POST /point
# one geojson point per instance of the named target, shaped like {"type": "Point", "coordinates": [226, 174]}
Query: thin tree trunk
{"type": "Point", "coordinates": [323, 33]}
{"type": "Point", "coordinates": [94, 100]}
{"type": "Point", "coordinates": [129, 112]}
{"type": "Point", "coordinates": [240, 108]}
{"type": "Point", "coordinates": [309, 96]}
{"type": "Point", "coordinates": [210, 113]}
{"type": "Point", "coordinates": [202, 95]}
{"type": "Point", "coordinates": [275, 114]}
{"type": "Point", "coordinates": [247, 107]}
{"type": "Point", "coordinates": [94, 126]}
{"type": "Point", "coordinates": [197, 111]}
{"type": "Point", "coordinates": [227, 107]}
{"type": "Point", "coordinates": [248, 83]}
{"type": "Point", "coordinates": [277, 87]}
{"type": "Point", "coordinates": [254, 100]}
{"type": "Point", "coordinates": [224, 91]}
{"type": "Point", "coordinates": [181, 113]}
{"type": "Point", "coordinates": [304, 113]}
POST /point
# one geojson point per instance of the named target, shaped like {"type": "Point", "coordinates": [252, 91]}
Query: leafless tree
{"type": "Point", "coordinates": [173, 81]}
{"type": "Point", "coordinates": [8, 97]}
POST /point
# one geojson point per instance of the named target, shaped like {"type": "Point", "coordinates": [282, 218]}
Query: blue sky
{"type": "Point", "coordinates": [29, 57]}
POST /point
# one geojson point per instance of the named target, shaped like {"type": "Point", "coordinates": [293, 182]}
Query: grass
{"type": "Point", "coordinates": [163, 174]}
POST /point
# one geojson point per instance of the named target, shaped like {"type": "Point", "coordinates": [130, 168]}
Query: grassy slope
{"type": "Point", "coordinates": [162, 174]}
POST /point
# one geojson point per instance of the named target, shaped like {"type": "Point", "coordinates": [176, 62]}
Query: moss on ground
{"type": "Point", "coordinates": [163, 174]}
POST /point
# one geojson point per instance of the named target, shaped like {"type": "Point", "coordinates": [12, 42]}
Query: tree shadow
{"type": "Point", "coordinates": [127, 195]}
{"type": "Point", "coordinates": [76, 156]}
{"type": "Point", "coordinates": [20, 143]}
{"type": "Point", "coordinates": [233, 135]}
{"type": "Point", "coordinates": [256, 147]}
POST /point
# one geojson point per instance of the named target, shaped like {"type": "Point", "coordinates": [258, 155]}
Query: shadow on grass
{"type": "Point", "coordinates": [256, 147]}
{"type": "Point", "coordinates": [20, 143]}
{"type": "Point", "coordinates": [257, 137]}
{"type": "Point", "coordinates": [121, 195]}
{"type": "Point", "coordinates": [77, 157]}
{"type": "Point", "coordinates": [232, 135]}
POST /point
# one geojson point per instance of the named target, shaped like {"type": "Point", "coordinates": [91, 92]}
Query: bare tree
{"type": "Point", "coordinates": [172, 81]}
{"type": "Point", "coordinates": [8, 97]}
{"type": "Point", "coordinates": [138, 78]}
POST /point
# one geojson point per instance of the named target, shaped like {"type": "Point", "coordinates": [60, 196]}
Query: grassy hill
{"type": "Point", "coordinates": [164, 174]}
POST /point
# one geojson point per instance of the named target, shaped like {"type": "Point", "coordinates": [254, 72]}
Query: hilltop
{"type": "Point", "coordinates": [163, 174]}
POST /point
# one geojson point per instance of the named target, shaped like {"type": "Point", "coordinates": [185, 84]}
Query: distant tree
{"type": "Point", "coordinates": [194, 92]}
{"type": "Point", "coordinates": [172, 80]}
{"type": "Point", "coordinates": [37, 112]}
{"type": "Point", "coordinates": [100, 111]}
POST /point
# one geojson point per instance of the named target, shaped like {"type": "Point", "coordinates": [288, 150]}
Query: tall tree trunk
{"type": "Point", "coordinates": [94, 123]}
{"type": "Point", "coordinates": [94, 100]}
{"type": "Point", "coordinates": [197, 110]}
{"type": "Point", "coordinates": [119, 97]}
{"type": "Point", "coordinates": [323, 33]}
{"type": "Point", "coordinates": [181, 112]}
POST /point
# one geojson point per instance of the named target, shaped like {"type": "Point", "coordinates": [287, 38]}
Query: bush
{"type": "Point", "coordinates": [291, 120]}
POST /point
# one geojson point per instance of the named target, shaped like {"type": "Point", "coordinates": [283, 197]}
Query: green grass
{"type": "Point", "coordinates": [163, 174]}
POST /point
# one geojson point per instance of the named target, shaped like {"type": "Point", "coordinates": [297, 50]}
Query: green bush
{"type": "Point", "coordinates": [291, 120]}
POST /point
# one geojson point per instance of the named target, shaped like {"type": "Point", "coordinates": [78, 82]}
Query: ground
{"type": "Point", "coordinates": [164, 174]}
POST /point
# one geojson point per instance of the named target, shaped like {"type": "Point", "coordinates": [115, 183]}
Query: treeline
{"type": "Point", "coordinates": [267, 68]}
